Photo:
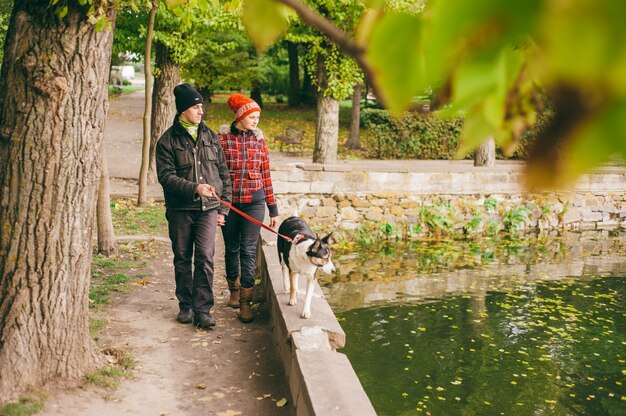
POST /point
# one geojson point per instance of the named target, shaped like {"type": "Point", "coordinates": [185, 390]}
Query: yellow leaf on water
{"type": "Point", "coordinates": [281, 402]}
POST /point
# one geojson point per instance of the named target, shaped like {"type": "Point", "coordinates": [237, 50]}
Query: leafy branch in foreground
{"type": "Point", "coordinates": [495, 63]}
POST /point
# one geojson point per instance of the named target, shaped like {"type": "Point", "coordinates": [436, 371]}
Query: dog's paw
{"type": "Point", "coordinates": [293, 302]}
{"type": "Point", "coordinates": [306, 314]}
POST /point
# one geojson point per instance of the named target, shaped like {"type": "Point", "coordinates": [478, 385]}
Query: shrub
{"type": "Point", "coordinates": [414, 136]}
{"type": "Point", "coordinates": [429, 136]}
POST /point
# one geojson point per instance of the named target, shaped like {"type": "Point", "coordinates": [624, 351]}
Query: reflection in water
{"type": "Point", "coordinates": [399, 272]}
{"type": "Point", "coordinates": [514, 339]}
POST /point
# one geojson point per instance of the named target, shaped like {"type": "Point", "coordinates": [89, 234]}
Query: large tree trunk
{"type": "Point", "coordinates": [327, 131]}
{"type": "Point", "coordinates": [163, 106]}
{"type": "Point", "coordinates": [294, 75]}
{"type": "Point", "coordinates": [142, 195]}
{"type": "Point", "coordinates": [485, 154]}
{"type": "Point", "coordinates": [106, 234]}
{"type": "Point", "coordinates": [53, 95]}
{"type": "Point", "coordinates": [353, 141]}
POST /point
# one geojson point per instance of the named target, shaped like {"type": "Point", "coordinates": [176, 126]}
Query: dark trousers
{"type": "Point", "coordinates": [240, 239]}
{"type": "Point", "coordinates": [193, 235]}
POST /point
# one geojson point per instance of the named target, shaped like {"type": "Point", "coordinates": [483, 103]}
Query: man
{"type": "Point", "coordinates": [191, 167]}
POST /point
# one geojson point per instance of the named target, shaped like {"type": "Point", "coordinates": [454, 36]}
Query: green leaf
{"type": "Point", "coordinates": [265, 21]}
{"type": "Point", "coordinates": [373, 4]}
{"type": "Point", "coordinates": [476, 130]}
{"type": "Point", "coordinates": [174, 3]}
{"type": "Point", "coordinates": [397, 64]}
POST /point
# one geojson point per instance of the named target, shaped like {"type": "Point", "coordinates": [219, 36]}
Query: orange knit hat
{"type": "Point", "coordinates": [242, 106]}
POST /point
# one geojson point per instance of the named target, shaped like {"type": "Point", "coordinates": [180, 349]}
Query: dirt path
{"type": "Point", "coordinates": [180, 371]}
{"type": "Point", "coordinates": [230, 370]}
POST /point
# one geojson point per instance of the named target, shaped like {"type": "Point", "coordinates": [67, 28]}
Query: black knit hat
{"type": "Point", "coordinates": [186, 97]}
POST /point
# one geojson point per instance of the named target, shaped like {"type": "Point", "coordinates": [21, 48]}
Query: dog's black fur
{"type": "Point", "coordinates": [303, 255]}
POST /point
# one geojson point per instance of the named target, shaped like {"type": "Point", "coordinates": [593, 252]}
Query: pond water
{"type": "Point", "coordinates": [491, 327]}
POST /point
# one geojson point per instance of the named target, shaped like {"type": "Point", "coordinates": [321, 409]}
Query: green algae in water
{"type": "Point", "coordinates": [550, 348]}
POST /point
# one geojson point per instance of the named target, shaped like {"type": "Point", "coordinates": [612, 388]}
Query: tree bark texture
{"type": "Point", "coordinates": [327, 131]}
{"type": "Point", "coordinates": [166, 77]}
{"type": "Point", "coordinates": [53, 100]}
{"type": "Point", "coordinates": [106, 233]}
{"type": "Point", "coordinates": [142, 195]}
{"type": "Point", "coordinates": [485, 154]}
{"type": "Point", "coordinates": [294, 75]}
{"type": "Point", "coordinates": [353, 141]}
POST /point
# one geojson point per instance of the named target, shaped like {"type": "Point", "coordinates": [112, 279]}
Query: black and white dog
{"type": "Point", "coordinates": [303, 255]}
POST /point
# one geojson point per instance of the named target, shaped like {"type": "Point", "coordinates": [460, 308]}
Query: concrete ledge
{"type": "Point", "coordinates": [321, 380]}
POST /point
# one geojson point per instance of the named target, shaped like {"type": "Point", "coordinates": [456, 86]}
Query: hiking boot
{"type": "Point", "coordinates": [185, 317]}
{"type": "Point", "coordinates": [245, 299]}
{"type": "Point", "coordinates": [204, 321]}
{"type": "Point", "coordinates": [233, 286]}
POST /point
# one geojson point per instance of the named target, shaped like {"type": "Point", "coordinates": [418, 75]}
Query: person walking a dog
{"type": "Point", "coordinates": [191, 168]}
{"type": "Point", "coordinates": [247, 157]}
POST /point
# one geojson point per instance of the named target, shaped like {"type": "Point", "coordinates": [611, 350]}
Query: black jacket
{"type": "Point", "coordinates": [182, 164]}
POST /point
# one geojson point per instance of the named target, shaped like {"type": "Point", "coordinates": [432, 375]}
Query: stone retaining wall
{"type": "Point", "coordinates": [321, 380]}
{"type": "Point", "coordinates": [331, 196]}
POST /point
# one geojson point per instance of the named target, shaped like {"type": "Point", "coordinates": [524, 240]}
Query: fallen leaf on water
{"type": "Point", "coordinates": [229, 413]}
{"type": "Point", "coordinates": [281, 402]}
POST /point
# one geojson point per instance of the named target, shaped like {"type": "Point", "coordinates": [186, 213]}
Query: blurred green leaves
{"type": "Point", "coordinates": [265, 21]}
{"type": "Point", "coordinates": [499, 63]}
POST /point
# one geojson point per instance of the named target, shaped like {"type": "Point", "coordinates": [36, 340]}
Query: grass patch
{"type": "Point", "coordinates": [129, 219]}
{"type": "Point", "coordinates": [111, 274]}
{"type": "Point", "coordinates": [120, 367]}
{"type": "Point", "coordinates": [24, 407]}
{"type": "Point", "coordinates": [95, 326]}
{"type": "Point", "coordinates": [115, 90]}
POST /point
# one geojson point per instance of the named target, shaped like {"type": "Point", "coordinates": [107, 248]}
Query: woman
{"type": "Point", "coordinates": [247, 158]}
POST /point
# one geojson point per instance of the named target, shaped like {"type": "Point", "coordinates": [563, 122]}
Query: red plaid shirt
{"type": "Point", "coordinates": [247, 158]}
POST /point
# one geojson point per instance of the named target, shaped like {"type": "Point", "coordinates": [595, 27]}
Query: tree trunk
{"type": "Point", "coordinates": [106, 234]}
{"type": "Point", "coordinates": [142, 195]}
{"type": "Point", "coordinates": [163, 107]}
{"type": "Point", "coordinates": [485, 154]}
{"type": "Point", "coordinates": [327, 130]}
{"type": "Point", "coordinates": [294, 75]}
{"type": "Point", "coordinates": [255, 94]}
{"type": "Point", "coordinates": [309, 93]}
{"type": "Point", "coordinates": [353, 141]}
{"type": "Point", "coordinates": [53, 100]}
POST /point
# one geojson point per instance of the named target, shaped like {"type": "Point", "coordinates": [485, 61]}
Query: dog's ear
{"type": "Point", "coordinates": [315, 246]}
{"type": "Point", "coordinates": [329, 239]}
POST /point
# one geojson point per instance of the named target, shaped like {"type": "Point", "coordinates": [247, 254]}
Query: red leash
{"type": "Point", "coordinates": [243, 214]}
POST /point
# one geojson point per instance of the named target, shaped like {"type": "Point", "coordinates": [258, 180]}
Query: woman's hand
{"type": "Point", "coordinates": [221, 219]}
{"type": "Point", "coordinates": [272, 222]}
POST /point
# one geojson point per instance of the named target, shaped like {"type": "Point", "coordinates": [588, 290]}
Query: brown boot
{"type": "Point", "coordinates": [233, 286]}
{"type": "Point", "coordinates": [245, 298]}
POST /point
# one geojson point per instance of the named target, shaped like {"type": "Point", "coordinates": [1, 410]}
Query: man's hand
{"type": "Point", "coordinates": [272, 222]}
{"type": "Point", "coordinates": [205, 190]}
{"type": "Point", "coordinates": [221, 219]}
